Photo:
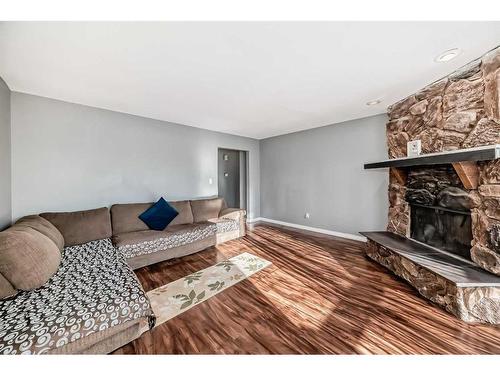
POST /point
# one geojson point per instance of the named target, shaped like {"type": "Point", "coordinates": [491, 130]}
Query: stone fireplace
{"type": "Point", "coordinates": [458, 112]}
{"type": "Point", "coordinates": [449, 212]}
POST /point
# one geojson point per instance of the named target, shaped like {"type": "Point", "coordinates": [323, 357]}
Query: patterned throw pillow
{"type": "Point", "coordinates": [159, 215]}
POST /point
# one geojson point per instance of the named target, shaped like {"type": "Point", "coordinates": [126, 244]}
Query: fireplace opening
{"type": "Point", "coordinates": [440, 214]}
{"type": "Point", "coordinates": [446, 229]}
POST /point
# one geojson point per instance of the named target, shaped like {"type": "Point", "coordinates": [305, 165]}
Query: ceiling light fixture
{"type": "Point", "coordinates": [448, 55]}
{"type": "Point", "coordinates": [373, 102]}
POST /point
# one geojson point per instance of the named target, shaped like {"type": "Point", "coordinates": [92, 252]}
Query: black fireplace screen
{"type": "Point", "coordinates": [443, 228]}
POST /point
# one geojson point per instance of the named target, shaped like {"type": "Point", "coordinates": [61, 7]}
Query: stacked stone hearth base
{"type": "Point", "coordinates": [472, 302]}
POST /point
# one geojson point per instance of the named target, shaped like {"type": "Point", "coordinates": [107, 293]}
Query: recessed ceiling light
{"type": "Point", "coordinates": [448, 55]}
{"type": "Point", "coordinates": [373, 102]}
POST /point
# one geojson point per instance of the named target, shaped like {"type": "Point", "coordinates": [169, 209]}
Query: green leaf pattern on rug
{"type": "Point", "coordinates": [200, 297]}
{"type": "Point", "coordinates": [253, 267]}
{"type": "Point", "coordinates": [236, 277]}
{"type": "Point", "coordinates": [190, 298]}
{"type": "Point", "coordinates": [226, 264]}
{"type": "Point", "coordinates": [217, 286]}
{"type": "Point", "coordinates": [190, 279]}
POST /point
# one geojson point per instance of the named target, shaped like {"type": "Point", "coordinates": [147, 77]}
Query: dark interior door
{"type": "Point", "coordinates": [229, 176]}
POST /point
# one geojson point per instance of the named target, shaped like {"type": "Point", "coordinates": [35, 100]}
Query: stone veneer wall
{"type": "Point", "coordinates": [457, 112]}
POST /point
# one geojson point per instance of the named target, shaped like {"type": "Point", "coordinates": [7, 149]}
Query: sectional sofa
{"type": "Point", "coordinates": [200, 224]}
{"type": "Point", "coordinates": [66, 279]}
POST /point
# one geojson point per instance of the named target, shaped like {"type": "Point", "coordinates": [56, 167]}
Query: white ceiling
{"type": "Point", "coordinates": [256, 79]}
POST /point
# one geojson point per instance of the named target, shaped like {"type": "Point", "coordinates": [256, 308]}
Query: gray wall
{"type": "Point", "coordinates": [71, 157]}
{"type": "Point", "coordinates": [5, 174]}
{"type": "Point", "coordinates": [320, 171]}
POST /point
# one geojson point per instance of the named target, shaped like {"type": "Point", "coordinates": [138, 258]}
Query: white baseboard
{"type": "Point", "coordinates": [312, 229]}
{"type": "Point", "coordinates": [254, 220]}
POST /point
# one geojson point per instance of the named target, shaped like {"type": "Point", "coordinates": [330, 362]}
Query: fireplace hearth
{"type": "Point", "coordinates": [454, 283]}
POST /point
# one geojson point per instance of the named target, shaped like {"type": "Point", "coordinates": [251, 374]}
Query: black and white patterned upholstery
{"type": "Point", "coordinates": [227, 225]}
{"type": "Point", "coordinates": [168, 240]}
{"type": "Point", "coordinates": [93, 290]}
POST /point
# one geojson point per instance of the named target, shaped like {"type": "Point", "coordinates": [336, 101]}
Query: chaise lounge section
{"type": "Point", "coordinates": [92, 301]}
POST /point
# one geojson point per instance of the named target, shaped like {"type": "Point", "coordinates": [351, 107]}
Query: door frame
{"type": "Point", "coordinates": [247, 172]}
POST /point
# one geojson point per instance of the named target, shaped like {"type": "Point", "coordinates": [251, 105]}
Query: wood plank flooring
{"type": "Point", "coordinates": [321, 295]}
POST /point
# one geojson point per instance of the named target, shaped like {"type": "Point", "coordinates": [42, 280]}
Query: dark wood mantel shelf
{"type": "Point", "coordinates": [482, 153]}
{"type": "Point", "coordinates": [464, 162]}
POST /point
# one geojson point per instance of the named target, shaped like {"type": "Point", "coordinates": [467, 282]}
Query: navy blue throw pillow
{"type": "Point", "coordinates": [159, 215]}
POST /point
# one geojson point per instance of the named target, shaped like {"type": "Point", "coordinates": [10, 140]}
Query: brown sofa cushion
{"type": "Point", "coordinates": [206, 209]}
{"type": "Point", "coordinates": [185, 214]}
{"type": "Point", "coordinates": [27, 257]}
{"type": "Point", "coordinates": [81, 226]}
{"type": "Point", "coordinates": [125, 217]}
{"type": "Point", "coordinates": [43, 226]}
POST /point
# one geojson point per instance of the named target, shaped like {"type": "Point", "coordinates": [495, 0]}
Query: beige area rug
{"type": "Point", "coordinates": [178, 296]}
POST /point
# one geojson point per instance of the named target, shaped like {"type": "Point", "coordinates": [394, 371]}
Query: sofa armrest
{"type": "Point", "coordinates": [237, 214]}
{"type": "Point", "coordinates": [233, 213]}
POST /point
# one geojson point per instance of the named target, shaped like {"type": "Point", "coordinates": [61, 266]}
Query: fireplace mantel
{"type": "Point", "coordinates": [482, 153]}
{"type": "Point", "coordinates": [464, 162]}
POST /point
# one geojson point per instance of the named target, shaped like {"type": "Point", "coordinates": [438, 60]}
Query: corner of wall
{"type": "Point", "coordinates": [5, 155]}
{"type": "Point", "coordinates": [11, 154]}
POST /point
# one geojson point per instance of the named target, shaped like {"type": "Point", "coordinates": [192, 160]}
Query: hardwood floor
{"type": "Point", "coordinates": [321, 295]}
